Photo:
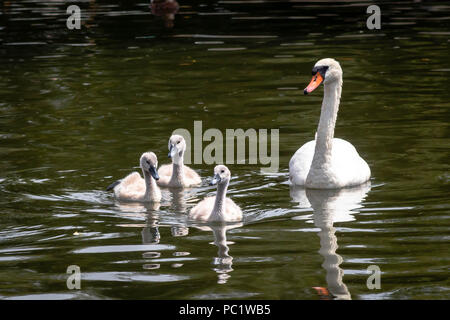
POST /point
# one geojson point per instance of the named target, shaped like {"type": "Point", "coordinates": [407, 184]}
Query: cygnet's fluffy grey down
{"type": "Point", "coordinates": [177, 175]}
{"type": "Point", "coordinates": [134, 188]}
{"type": "Point", "coordinates": [218, 208]}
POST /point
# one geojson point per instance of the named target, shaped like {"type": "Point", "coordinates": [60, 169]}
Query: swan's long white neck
{"type": "Point", "coordinates": [218, 211]}
{"type": "Point", "coordinates": [150, 187]}
{"type": "Point", "coordinates": [327, 122]}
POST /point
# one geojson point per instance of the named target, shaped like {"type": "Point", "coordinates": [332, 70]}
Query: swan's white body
{"type": "Point", "coordinates": [204, 211]}
{"type": "Point", "coordinates": [134, 188]}
{"type": "Point", "coordinates": [328, 162]}
{"type": "Point", "coordinates": [218, 208]}
{"type": "Point", "coordinates": [178, 176]}
{"type": "Point", "coordinates": [344, 169]}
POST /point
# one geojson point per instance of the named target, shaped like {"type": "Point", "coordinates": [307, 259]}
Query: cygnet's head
{"type": "Point", "coordinates": [221, 175]}
{"type": "Point", "coordinates": [177, 146]}
{"type": "Point", "coordinates": [327, 71]}
{"type": "Point", "coordinates": [149, 163]}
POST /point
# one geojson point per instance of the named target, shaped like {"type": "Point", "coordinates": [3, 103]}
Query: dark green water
{"type": "Point", "coordinates": [78, 108]}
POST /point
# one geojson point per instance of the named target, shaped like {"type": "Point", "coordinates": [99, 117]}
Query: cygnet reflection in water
{"type": "Point", "coordinates": [224, 261]}
{"type": "Point", "coordinates": [150, 233]}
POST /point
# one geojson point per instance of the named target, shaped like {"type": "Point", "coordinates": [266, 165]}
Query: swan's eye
{"type": "Point", "coordinates": [222, 171]}
{"type": "Point", "coordinates": [178, 142]}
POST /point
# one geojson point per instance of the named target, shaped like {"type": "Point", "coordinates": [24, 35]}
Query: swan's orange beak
{"type": "Point", "coordinates": [315, 82]}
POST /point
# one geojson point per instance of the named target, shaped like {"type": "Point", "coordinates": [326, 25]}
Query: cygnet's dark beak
{"type": "Point", "coordinates": [153, 172]}
{"type": "Point", "coordinates": [216, 179]}
{"type": "Point", "coordinates": [170, 151]}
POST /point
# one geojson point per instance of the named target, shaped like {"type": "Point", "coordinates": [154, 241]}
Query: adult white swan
{"type": "Point", "coordinates": [327, 162]}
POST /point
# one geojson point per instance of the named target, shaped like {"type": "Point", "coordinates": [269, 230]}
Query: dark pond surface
{"type": "Point", "coordinates": [78, 108]}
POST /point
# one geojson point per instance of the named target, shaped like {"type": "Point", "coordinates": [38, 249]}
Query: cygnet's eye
{"type": "Point", "coordinates": [222, 171]}
{"type": "Point", "coordinates": [178, 142]}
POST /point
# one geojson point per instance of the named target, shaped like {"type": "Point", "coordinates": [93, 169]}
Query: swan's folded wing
{"type": "Point", "coordinates": [131, 180]}
{"type": "Point", "coordinates": [165, 170]}
{"type": "Point", "coordinates": [191, 176]}
{"type": "Point", "coordinates": [350, 168]}
{"type": "Point", "coordinates": [300, 163]}
{"type": "Point", "coordinates": [113, 185]}
{"type": "Point", "coordinates": [131, 187]}
{"type": "Point", "coordinates": [165, 173]}
{"type": "Point", "coordinates": [233, 212]}
{"type": "Point", "coordinates": [203, 209]}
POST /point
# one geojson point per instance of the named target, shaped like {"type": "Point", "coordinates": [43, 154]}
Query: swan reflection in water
{"type": "Point", "coordinates": [223, 262]}
{"type": "Point", "coordinates": [167, 9]}
{"type": "Point", "coordinates": [331, 206]}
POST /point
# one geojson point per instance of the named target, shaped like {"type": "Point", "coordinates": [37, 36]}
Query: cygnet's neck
{"type": "Point", "coordinates": [218, 211]}
{"type": "Point", "coordinates": [177, 170]}
{"type": "Point", "coordinates": [327, 122]}
{"type": "Point", "coordinates": [150, 187]}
